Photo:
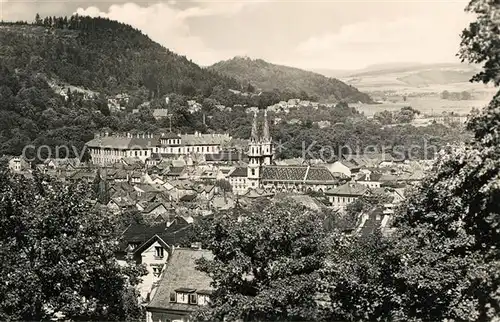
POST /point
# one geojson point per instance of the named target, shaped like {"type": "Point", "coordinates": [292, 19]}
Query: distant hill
{"type": "Point", "coordinates": [407, 74]}
{"type": "Point", "coordinates": [267, 76]}
{"type": "Point", "coordinates": [89, 55]}
{"type": "Point", "coordinates": [104, 56]}
{"type": "Point", "coordinates": [369, 69]}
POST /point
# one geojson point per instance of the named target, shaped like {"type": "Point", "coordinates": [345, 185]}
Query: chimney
{"type": "Point", "coordinates": [128, 135]}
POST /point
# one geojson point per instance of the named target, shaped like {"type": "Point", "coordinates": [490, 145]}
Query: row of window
{"type": "Point", "coordinates": [171, 141]}
{"type": "Point", "coordinates": [187, 149]}
{"type": "Point", "coordinates": [121, 153]}
{"type": "Point", "coordinates": [258, 150]}
{"type": "Point", "coordinates": [189, 298]}
{"type": "Point", "coordinates": [343, 199]}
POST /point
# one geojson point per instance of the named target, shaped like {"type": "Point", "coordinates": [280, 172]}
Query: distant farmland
{"type": "Point", "coordinates": [426, 105]}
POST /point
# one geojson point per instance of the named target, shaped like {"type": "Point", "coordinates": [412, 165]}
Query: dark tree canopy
{"type": "Point", "coordinates": [57, 255]}
{"type": "Point", "coordinates": [266, 263]}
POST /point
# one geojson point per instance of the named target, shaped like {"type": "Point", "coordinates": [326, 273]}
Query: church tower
{"type": "Point", "coordinates": [254, 157]}
{"type": "Point", "coordinates": [266, 143]}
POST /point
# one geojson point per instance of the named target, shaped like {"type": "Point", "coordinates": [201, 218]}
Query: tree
{"type": "Point", "coordinates": [225, 186]}
{"type": "Point", "coordinates": [266, 263]}
{"type": "Point", "coordinates": [250, 88]}
{"type": "Point", "coordinates": [355, 279]}
{"type": "Point", "coordinates": [385, 117]}
{"type": "Point", "coordinates": [57, 255]}
{"type": "Point", "coordinates": [445, 95]}
{"type": "Point", "coordinates": [38, 20]}
{"type": "Point", "coordinates": [406, 114]}
{"type": "Point", "coordinates": [448, 236]}
{"type": "Point", "coordinates": [465, 95]}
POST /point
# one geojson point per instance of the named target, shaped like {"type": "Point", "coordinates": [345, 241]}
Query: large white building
{"type": "Point", "coordinates": [107, 149]}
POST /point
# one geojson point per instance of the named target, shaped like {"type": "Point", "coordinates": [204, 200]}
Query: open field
{"type": "Point", "coordinates": [426, 105]}
{"type": "Point", "coordinates": [420, 87]}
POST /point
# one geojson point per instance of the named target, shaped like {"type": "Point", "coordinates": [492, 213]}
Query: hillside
{"type": "Point", "coordinates": [104, 56]}
{"type": "Point", "coordinates": [267, 76]}
{"type": "Point", "coordinates": [416, 75]}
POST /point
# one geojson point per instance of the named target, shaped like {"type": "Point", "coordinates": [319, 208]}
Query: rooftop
{"type": "Point", "coordinates": [238, 172]}
{"type": "Point", "coordinates": [122, 142]}
{"type": "Point", "coordinates": [348, 189]}
{"type": "Point", "coordinates": [181, 273]}
{"type": "Point", "coordinates": [304, 174]}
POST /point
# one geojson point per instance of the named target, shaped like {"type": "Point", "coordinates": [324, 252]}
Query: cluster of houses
{"type": "Point", "coordinates": [295, 103]}
{"type": "Point", "coordinates": [172, 180]}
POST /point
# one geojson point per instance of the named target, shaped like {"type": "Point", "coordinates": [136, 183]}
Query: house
{"type": "Point", "coordinates": [151, 246]}
{"type": "Point", "coordinates": [175, 172]}
{"type": "Point", "coordinates": [182, 288]}
{"type": "Point", "coordinates": [347, 168]}
{"type": "Point", "coordinates": [157, 209]}
{"type": "Point", "coordinates": [159, 113]}
{"type": "Point", "coordinates": [343, 195]}
{"type": "Point", "coordinates": [371, 180]}
{"type": "Point", "coordinates": [54, 163]}
{"type": "Point", "coordinates": [206, 192]}
{"type": "Point", "coordinates": [121, 204]}
{"type": "Point", "coordinates": [18, 164]}
{"type": "Point", "coordinates": [238, 180]}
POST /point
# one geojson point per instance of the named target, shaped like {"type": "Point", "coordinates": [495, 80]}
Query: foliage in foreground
{"type": "Point", "coordinates": [266, 263]}
{"type": "Point", "coordinates": [56, 255]}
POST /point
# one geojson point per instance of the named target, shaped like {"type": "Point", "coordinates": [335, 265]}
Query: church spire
{"type": "Point", "coordinates": [255, 135]}
{"type": "Point", "coordinates": [266, 136]}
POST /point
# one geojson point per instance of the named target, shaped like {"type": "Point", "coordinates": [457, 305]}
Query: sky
{"type": "Point", "coordinates": [314, 34]}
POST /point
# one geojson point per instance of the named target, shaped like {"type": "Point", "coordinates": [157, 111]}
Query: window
{"type": "Point", "coordinates": [159, 251]}
{"type": "Point", "coordinates": [193, 299]}
{"type": "Point", "coordinates": [156, 271]}
{"type": "Point", "coordinates": [253, 172]}
{"type": "Point", "coordinates": [135, 153]}
{"type": "Point", "coordinates": [173, 297]}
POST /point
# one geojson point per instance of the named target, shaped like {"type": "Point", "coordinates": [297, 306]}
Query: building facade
{"type": "Point", "coordinates": [108, 149]}
{"type": "Point", "coordinates": [262, 173]}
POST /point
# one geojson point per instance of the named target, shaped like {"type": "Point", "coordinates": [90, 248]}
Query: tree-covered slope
{"type": "Point", "coordinates": [267, 76]}
{"type": "Point", "coordinates": [103, 55]}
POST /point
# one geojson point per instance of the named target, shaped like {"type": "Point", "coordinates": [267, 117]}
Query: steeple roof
{"type": "Point", "coordinates": [266, 136]}
{"type": "Point", "coordinates": [255, 135]}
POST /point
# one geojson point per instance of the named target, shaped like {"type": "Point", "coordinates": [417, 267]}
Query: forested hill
{"type": "Point", "coordinates": [267, 76]}
{"type": "Point", "coordinates": [102, 55]}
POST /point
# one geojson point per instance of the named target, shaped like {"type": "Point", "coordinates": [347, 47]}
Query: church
{"type": "Point", "coordinates": [261, 174]}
